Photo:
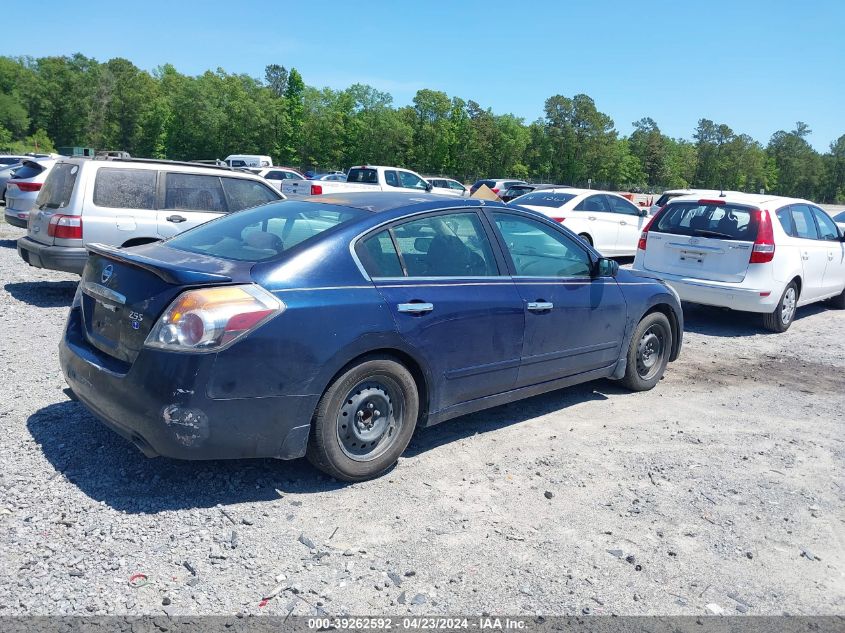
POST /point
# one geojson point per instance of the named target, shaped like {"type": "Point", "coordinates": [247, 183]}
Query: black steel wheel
{"type": "Point", "coordinates": [648, 352]}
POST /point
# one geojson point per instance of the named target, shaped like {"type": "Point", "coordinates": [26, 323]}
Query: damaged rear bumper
{"type": "Point", "coordinates": [159, 403]}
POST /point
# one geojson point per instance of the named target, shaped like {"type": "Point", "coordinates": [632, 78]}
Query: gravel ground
{"type": "Point", "coordinates": [720, 490]}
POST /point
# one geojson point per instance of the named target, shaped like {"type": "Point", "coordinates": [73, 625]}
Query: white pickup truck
{"type": "Point", "coordinates": [363, 178]}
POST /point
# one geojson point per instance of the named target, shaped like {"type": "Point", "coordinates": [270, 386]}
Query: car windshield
{"type": "Point", "coordinates": [544, 199]}
{"type": "Point", "coordinates": [264, 232]}
{"type": "Point", "coordinates": [720, 221]}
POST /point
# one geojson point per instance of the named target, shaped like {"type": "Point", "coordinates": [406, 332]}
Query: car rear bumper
{"type": "Point", "coordinates": [159, 403]}
{"type": "Point", "coordinates": [16, 218]}
{"type": "Point", "coordinates": [724, 295]}
{"type": "Point", "coordinates": [64, 258]}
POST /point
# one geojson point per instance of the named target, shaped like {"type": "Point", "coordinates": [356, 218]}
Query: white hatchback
{"type": "Point", "coordinates": [605, 220]}
{"type": "Point", "coordinates": [747, 252]}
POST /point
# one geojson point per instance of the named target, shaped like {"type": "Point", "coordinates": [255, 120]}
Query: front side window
{"type": "Point", "coordinates": [538, 250]}
{"type": "Point", "coordinates": [264, 232]}
{"type": "Point", "coordinates": [412, 181]}
{"type": "Point", "coordinates": [243, 193]}
{"type": "Point", "coordinates": [802, 218]}
{"type": "Point", "coordinates": [596, 204]}
{"type": "Point", "coordinates": [194, 192]}
{"type": "Point", "coordinates": [452, 245]}
{"type": "Point", "coordinates": [620, 205]}
{"type": "Point", "coordinates": [125, 188]}
{"type": "Point", "coordinates": [827, 228]}
{"type": "Point", "coordinates": [456, 186]}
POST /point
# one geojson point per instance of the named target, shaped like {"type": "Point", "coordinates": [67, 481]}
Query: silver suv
{"type": "Point", "coordinates": [128, 203]}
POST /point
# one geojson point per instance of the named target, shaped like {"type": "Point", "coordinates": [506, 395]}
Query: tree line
{"type": "Point", "coordinates": [51, 102]}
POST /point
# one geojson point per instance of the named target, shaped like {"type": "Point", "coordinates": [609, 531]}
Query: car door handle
{"type": "Point", "coordinates": [805, 255]}
{"type": "Point", "coordinates": [591, 217]}
{"type": "Point", "coordinates": [623, 222]}
{"type": "Point", "coordinates": [540, 306]}
{"type": "Point", "coordinates": [176, 219]}
{"type": "Point", "coordinates": [415, 308]}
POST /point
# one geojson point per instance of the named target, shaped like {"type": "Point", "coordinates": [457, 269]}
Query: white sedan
{"type": "Point", "coordinates": [447, 187]}
{"type": "Point", "coordinates": [606, 220]}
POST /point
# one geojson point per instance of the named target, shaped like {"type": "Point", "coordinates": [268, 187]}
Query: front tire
{"type": "Point", "coordinates": [586, 238]}
{"type": "Point", "coordinates": [648, 353]}
{"type": "Point", "coordinates": [784, 313]}
{"type": "Point", "coordinates": [365, 420]}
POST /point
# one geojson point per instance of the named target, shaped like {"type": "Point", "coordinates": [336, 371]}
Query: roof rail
{"type": "Point", "coordinates": [161, 161]}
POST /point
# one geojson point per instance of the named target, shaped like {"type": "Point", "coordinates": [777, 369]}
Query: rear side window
{"type": "Point", "coordinates": [390, 179]}
{"type": "Point", "coordinates": [720, 221]}
{"type": "Point", "coordinates": [243, 194]}
{"type": "Point", "coordinates": [28, 170]}
{"type": "Point", "coordinates": [57, 189]}
{"type": "Point", "coordinates": [453, 245]}
{"type": "Point", "coordinates": [802, 218]}
{"type": "Point", "coordinates": [125, 188]}
{"type": "Point", "coordinates": [379, 256]}
{"type": "Point", "coordinates": [194, 192]}
{"type": "Point", "coordinates": [785, 219]}
{"type": "Point", "coordinates": [365, 176]}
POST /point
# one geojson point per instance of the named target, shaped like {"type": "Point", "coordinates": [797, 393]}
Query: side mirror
{"type": "Point", "coordinates": [429, 186]}
{"type": "Point", "coordinates": [644, 212]}
{"type": "Point", "coordinates": [606, 267]}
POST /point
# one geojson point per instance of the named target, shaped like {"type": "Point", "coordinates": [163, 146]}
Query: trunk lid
{"type": "Point", "coordinates": [708, 240]}
{"type": "Point", "coordinates": [124, 291]}
{"type": "Point", "coordinates": [53, 198]}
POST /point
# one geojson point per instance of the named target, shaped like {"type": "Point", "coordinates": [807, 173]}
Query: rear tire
{"type": "Point", "coordinates": [648, 352]}
{"type": "Point", "coordinates": [586, 238]}
{"type": "Point", "coordinates": [364, 421]}
{"type": "Point", "coordinates": [784, 313]}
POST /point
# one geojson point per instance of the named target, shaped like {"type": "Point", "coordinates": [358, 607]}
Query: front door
{"type": "Point", "coordinates": [834, 272]}
{"type": "Point", "coordinates": [631, 223]}
{"type": "Point", "coordinates": [813, 252]}
{"type": "Point", "coordinates": [450, 301]}
{"type": "Point", "coordinates": [602, 223]}
{"type": "Point", "coordinates": [574, 322]}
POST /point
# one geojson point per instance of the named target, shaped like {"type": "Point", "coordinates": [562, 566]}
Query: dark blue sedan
{"type": "Point", "coordinates": [332, 327]}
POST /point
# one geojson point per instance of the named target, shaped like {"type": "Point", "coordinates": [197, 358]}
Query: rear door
{"type": "Point", "coordinates": [602, 224]}
{"type": "Point", "coordinates": [441, 279]}
{"type": "Point", "coordinates": [189, 200]}
{"type": "Point", "coordinates": [121, 206]}
{"type": "Point", "coordinates": [834, 272]}
{"type": "Point", "coordinates": [707, 240]}
{"type": "Point", "coordinates": [630, 222]}
{"type": "Point", "coordinates": [574, 322]}
{"type": "Point", "coordinates": [813, 251]}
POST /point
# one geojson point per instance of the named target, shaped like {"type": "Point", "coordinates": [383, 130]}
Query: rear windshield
{"type": "Point", "coordinates": [55, 194]}
{"type": "Point", "coordinates": [365, 176]}
{"type": "Point", "coordinates": [544, 199]}
{"type": "Point", "coordinates": [264, 232]}
{"type": "Point", "coordinates": [28, 170]}
{"type": "Point", "coordinates": [720, 221]}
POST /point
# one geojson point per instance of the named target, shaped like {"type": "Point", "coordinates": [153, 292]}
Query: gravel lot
{"type": "Point", "coordinates": [722, 488]}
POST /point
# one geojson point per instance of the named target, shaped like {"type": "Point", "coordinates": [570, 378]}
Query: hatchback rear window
{"type": "Point", "coordinates": [264, 232]}
{"type": "Point", "coordinates": [366, 176]}
{"type": "Point", "coordinates": [28, 170]}
{"type": "Point", "coordinates": [57, 189]}
{"type": "Point", "coordinates": [720, 221]}
{"type": "Point", "coordinates": [545, 199]}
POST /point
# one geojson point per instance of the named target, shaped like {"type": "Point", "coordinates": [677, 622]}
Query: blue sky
{"type": "Point", "coordinates": [757, 65]}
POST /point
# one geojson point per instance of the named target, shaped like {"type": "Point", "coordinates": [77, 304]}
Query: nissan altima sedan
{"type": "Point", "coordinates": [333, 327]}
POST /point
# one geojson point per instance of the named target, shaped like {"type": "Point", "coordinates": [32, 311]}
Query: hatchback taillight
{"type": "Point", "coordinates": [641, 245]}
{"type": "Point", "coordinates": [65, 227]}
{"type": "Point", "coordinates": [763, 250]}
{"type": "Point", "coordinates": [316, 190]}
{"type": "Point", "coordinates": [27, 186]}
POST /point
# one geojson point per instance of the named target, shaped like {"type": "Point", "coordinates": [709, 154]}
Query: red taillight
{"type": "Point", "coordinates": [644, 235]}
{"type": "Point", "coordinates": [764, 246]}
{"type": "Point", "coordinates": [558, 219]}
{"type": "Point", "coordinates": [316, 190]}
{"type": "Point", "coordinates": [65, 227]}
{"type": "Point", "coordinates": [27, 186]}
{"type": "Point", "coordinates": [495, 190]}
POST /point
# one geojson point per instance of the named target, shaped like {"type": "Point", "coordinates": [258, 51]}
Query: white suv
{"type": "Point", "coordinates": [127, 203]}
{"type": "Point", "coordinates": [747, 252]}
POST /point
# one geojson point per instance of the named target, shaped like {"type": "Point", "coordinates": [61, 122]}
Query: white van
{"type": "Point", "coordinates": [248, 160]}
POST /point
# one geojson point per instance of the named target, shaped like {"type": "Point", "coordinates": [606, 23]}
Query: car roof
{"type": "Point", "coordinates": [751, 199]}
{"type": "Point", "coordinates": [183, 166]}
{"type": "Point", "coordinates": [380, 202]}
